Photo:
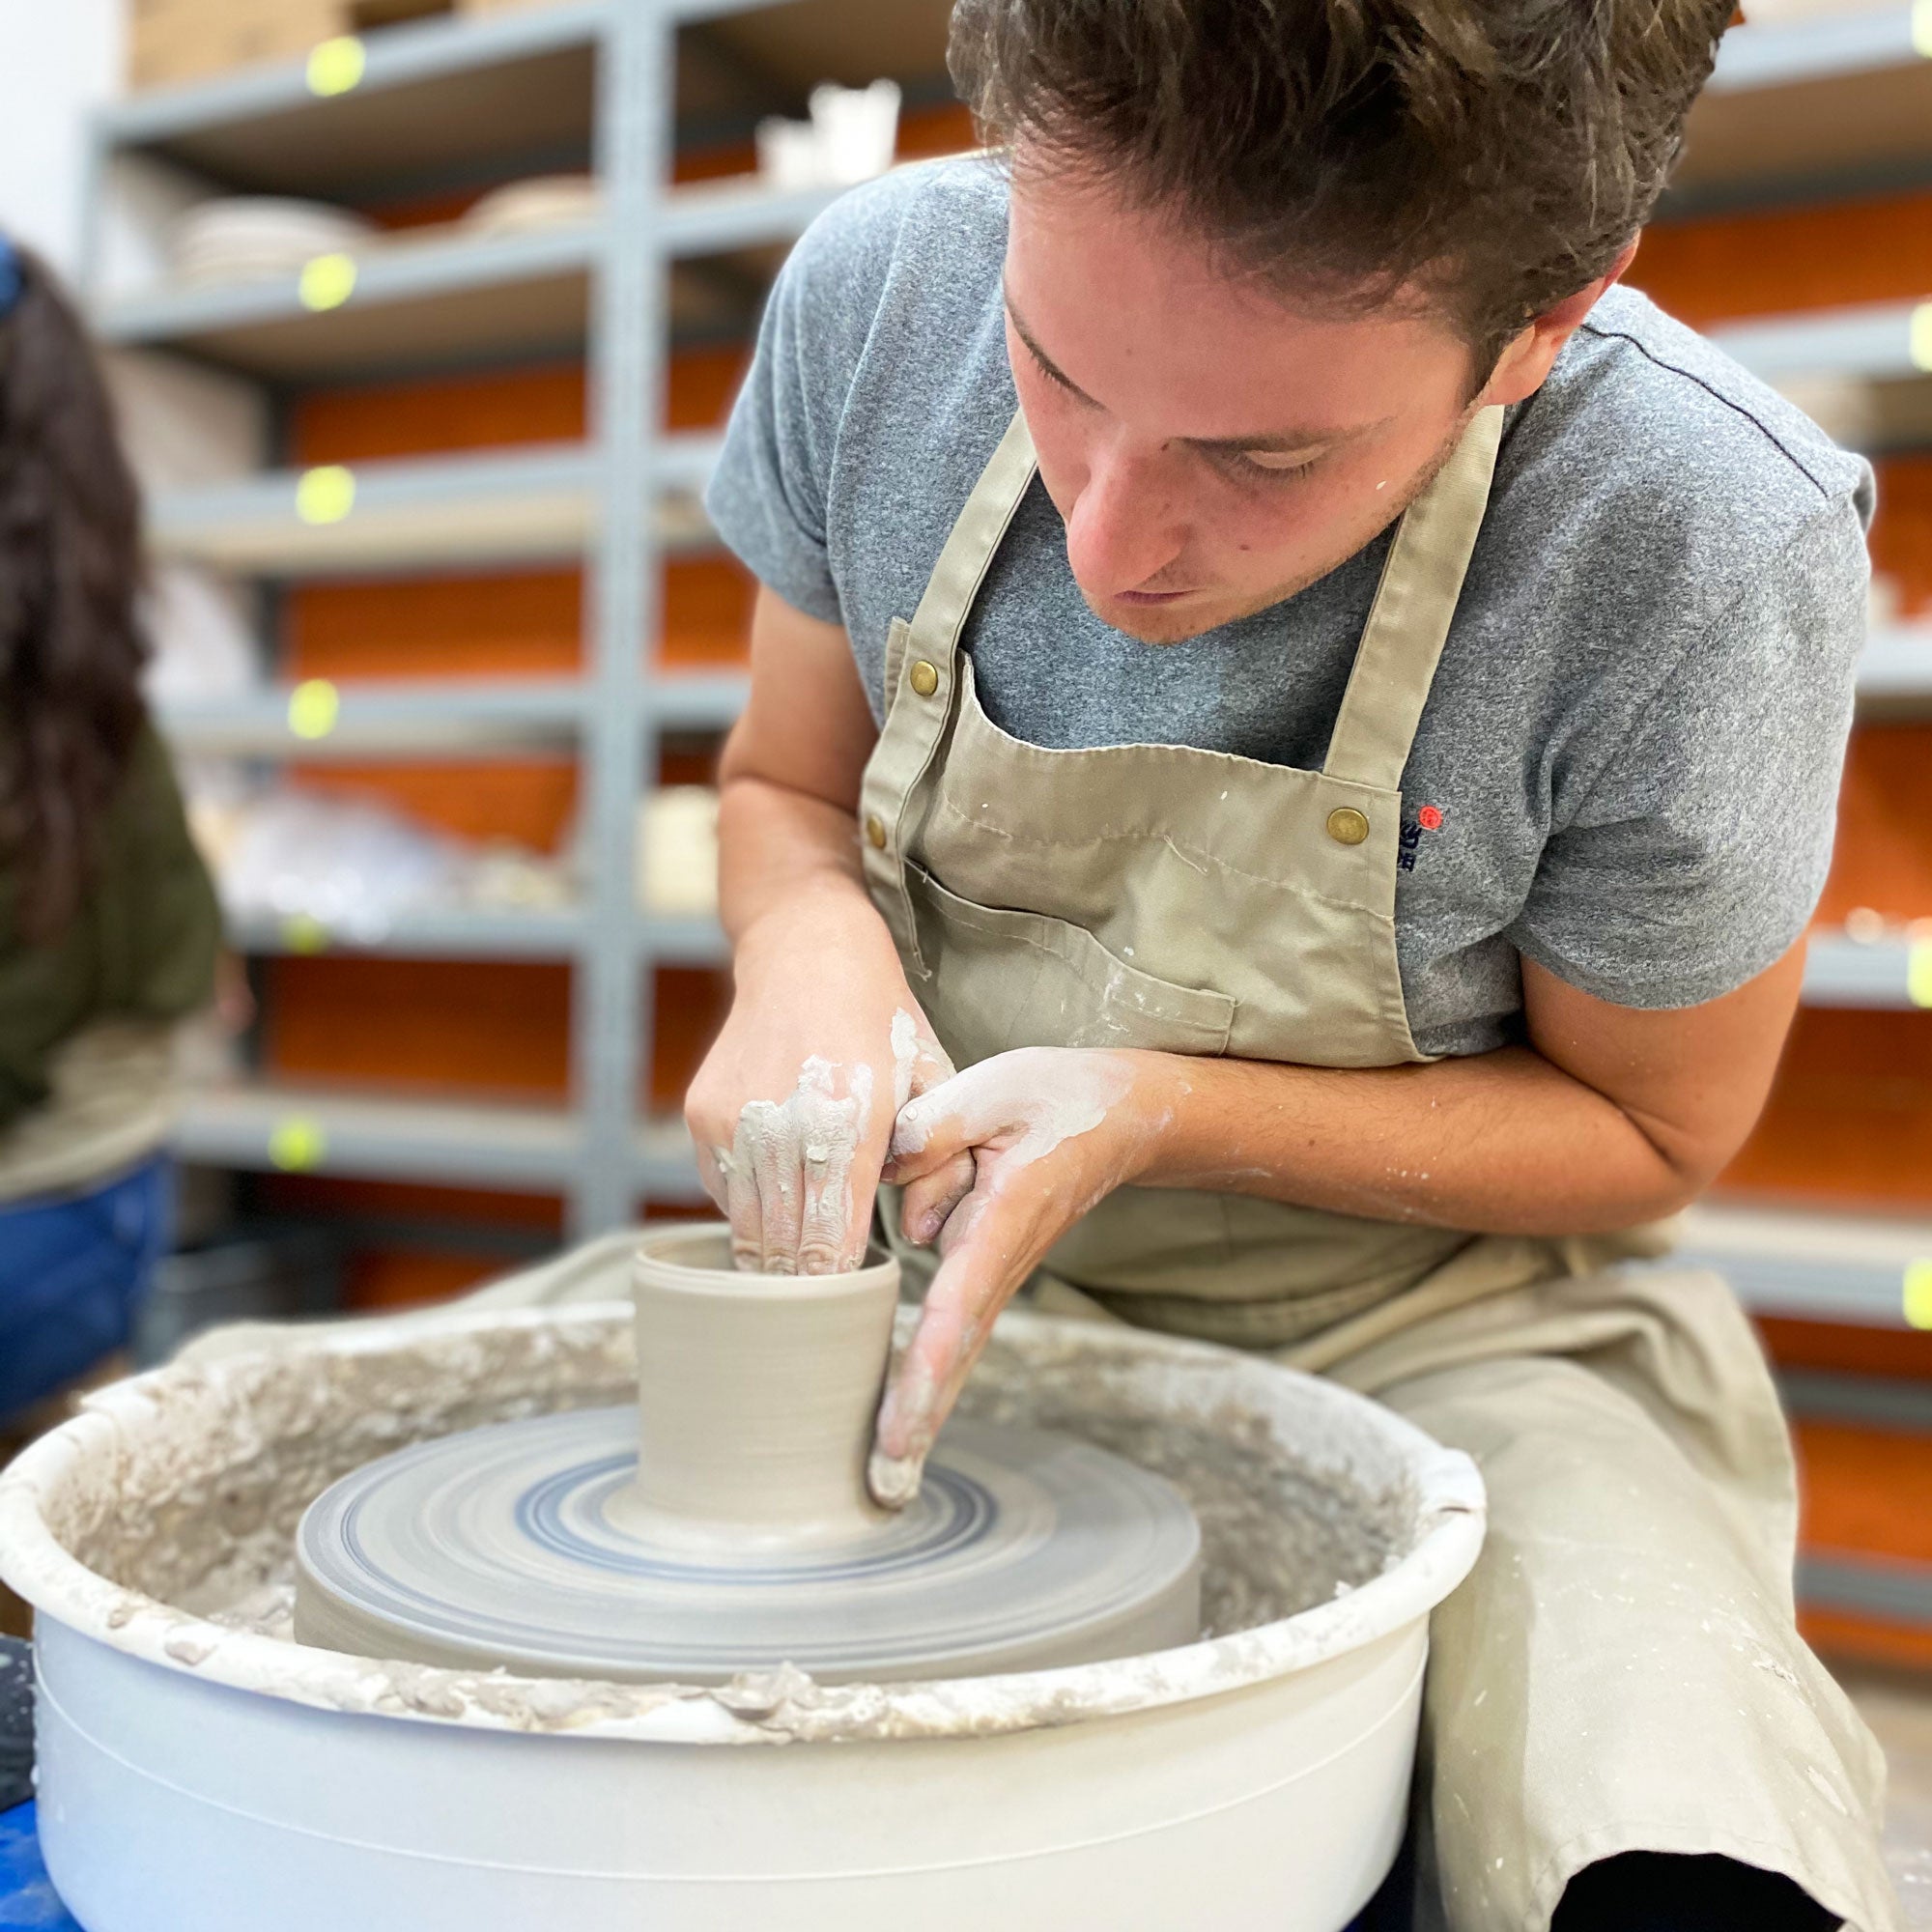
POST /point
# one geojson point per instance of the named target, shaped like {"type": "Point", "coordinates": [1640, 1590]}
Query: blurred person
{"type": "Point", "coordinates": [109, 926]}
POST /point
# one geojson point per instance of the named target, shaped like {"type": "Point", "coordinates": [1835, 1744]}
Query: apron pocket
{"type": "Point", "coordinates": [1005, 979]}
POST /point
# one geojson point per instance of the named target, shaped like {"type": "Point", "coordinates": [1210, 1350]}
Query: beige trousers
{"type": "Point", "coordinates": [1622, 1671]}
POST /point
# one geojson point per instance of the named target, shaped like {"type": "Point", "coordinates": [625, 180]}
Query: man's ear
{"type": "Point", "coordinates": [1522, 366]}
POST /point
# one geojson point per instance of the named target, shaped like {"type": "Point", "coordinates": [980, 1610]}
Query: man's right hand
{"type": "Point", "coordinates": [793, 1108]}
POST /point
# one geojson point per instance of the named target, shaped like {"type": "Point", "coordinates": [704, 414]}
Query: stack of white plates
{"type": "Point", "coordinates": [545, 201]}
{"type": "Point", "coordinates": [245, 238]}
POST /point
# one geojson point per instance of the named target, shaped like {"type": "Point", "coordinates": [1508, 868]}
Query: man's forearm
{"type": "Point", "coordinates": [1501, 1142]}
{"type": "Point", "coordinates": [778, 848]}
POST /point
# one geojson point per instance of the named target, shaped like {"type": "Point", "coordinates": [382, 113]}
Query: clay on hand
{"type": "Point", "coordinates": [787, 1180]}
{"type": "Point", "coordinates": [798, 1179]}
{"type": "Point", "coordinates": [1024, 1122]}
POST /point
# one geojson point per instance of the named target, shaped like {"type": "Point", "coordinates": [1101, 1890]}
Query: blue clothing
{"type": "Point", "coordinates": [74, 1270]}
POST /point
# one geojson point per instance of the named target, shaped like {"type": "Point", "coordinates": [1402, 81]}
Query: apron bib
{"type": "Point", "coordinates": [1182, 901]}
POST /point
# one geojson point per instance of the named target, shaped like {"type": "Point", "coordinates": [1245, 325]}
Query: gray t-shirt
{"type": "Point", "coordinates": [1634, 734]}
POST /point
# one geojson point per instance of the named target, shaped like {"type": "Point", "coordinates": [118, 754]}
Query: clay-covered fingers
{"type": "Point", "coordinates": [759, 1125]}
{"type": "Point", "coordinates": [828, 1133]}
{"type": "Point", "coordinates": [790, 1179]}
{"type": "Point", "coordinates": [973, 1282]}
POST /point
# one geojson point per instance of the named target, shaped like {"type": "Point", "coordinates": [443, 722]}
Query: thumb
{"type": "Point", "coordinates": [932, 1130]}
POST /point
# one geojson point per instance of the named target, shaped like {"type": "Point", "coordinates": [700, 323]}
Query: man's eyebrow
{"type": "Point", "coordinates": [1324, 436]}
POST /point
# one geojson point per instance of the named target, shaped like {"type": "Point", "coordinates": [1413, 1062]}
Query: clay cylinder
{"type": "Point", "coordinates": [757, 1396]}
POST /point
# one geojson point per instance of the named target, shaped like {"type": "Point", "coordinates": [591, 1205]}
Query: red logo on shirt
{"type": "Point", "coordinates": [1408, 835]}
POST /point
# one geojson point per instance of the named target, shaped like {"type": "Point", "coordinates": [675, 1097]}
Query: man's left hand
{"type": "Point", "coordinates": [1051, 1131]}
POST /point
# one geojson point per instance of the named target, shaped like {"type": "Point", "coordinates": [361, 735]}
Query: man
{"type": "Point", "coordinates": [1329, 712]}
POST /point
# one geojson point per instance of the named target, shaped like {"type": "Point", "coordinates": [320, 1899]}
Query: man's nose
{"type": "Point", "coordinates": [1126, 527]}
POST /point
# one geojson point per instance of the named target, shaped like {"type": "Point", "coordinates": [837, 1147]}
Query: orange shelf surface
{"type": "Point", "coordinates": [495, 625]}
{"type": "Point", "coordinates": [1901, 536]}
{"type": "Point", "coordinates": [1867, 1492]}
{"type": "Point", "coordinates": [1846, 1349]}
{"type": "Point", "coordinates": [530, 801]}
{"type": "Point", "coordinates": [458, 1025]}
{"type": "Point", "coordinates": [1850, 1118]}
{"type": "Point", "coordinates": [1883, 857]}
{"type": "Point", "coordinates": [691, 1002]}
{"type": "Point", "coordinates": [1785, 260]}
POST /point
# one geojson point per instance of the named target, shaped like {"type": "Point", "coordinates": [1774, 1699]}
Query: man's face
{"type": "Point", "coordinates": [1211, 450]}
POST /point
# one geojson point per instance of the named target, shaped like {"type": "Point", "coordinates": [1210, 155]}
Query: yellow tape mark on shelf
{"type": "Point", "coordinates": [1919, 973]}
{"type": "Point", "coordinates": [1917, 1298]}
{"type": "Point", "coordinates": [326, 494]}
{"type": "Point", "coordinates": [1920, 347]}
{"type": "Point", "coordinates": [336, 66]}
{"type": "Point", "coordinates": [304, 932]}
{"type": "Point", "coordinates": [297, 1143]}
{"type": "Point", "coordinates": [314, 706]}
{"type": "Point", "coordinates": [327, 281]}
{"type": "Point", "coordinates": [1922, 28]}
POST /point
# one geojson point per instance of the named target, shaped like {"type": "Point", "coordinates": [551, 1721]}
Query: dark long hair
{"type": "Point", "coordinates": [70, 641]}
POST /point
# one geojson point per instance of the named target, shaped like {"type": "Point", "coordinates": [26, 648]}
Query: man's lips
{"type": "Point", "coordinates": [1150, 596]}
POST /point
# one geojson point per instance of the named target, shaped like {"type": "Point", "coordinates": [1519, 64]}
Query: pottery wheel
{"type": "Point", "coordinates": [507, 1547]}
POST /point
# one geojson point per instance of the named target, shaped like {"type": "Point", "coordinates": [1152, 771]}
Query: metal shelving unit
{"type": "Point", "coordinates": [1817, 1267]}
{"type": "Point", "coordinates": [1817, 110]}
{"type": "Point", "coordinates": [1838, 103]}
{"type": "Point", "coordinates": [452, 933]}
{"type": "Point", "coordinates": [293, 1127]}
{"type": "Point", "coordinates": [1896, 668]}
{"type": "Point", "coordinates": [424, 298]}
{"type": "Point", "coordinates": [1892, 972]}
{"type": "Point", "coordinates": [422, 718]}
{"type": "Point", "coordinates": [417, 109]}
{"type": "Point", "coordinates": [541, 504]}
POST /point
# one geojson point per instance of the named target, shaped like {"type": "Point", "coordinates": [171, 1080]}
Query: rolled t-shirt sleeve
{"type": "Point", "coordinates": [1694, 855]}
{"type": "Point", "coordinates": [767, 495]}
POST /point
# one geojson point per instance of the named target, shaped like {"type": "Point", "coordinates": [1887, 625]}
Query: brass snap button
{"type": "Point", "coordinates": [1347, 826]}
{"type": "Point", "coordinates": [875, 831]}
{"type": "Point", "coordinates": [924, 678]}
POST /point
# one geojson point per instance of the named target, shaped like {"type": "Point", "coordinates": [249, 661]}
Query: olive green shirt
{"type": "Point", "coordinates": [86, 1019]}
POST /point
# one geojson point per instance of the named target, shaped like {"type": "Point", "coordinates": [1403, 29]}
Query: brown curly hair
{"type": "Point", "coordinates": [1497, 154]}
{"type": "Point", "coordinates": [71, 646]}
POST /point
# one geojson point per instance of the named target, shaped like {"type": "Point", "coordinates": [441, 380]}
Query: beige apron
{"type": "Point", "coordinates": [1622, 1673]}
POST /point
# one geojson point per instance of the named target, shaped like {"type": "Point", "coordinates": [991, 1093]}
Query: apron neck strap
{"type": "Point", "coordinates": [962, 564]}
{"type": "Point", "coordinates": [1395, 663]}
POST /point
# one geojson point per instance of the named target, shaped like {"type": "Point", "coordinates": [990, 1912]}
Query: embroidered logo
{"type": "Point", "coordinates": [1409, 839]}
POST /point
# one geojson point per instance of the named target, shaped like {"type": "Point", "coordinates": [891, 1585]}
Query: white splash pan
{"type": "Point", "coordinates": [195, 1777]}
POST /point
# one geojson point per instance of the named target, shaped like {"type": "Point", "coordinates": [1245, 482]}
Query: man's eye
{"type": "Point", "coordinates": [1264, 467]}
